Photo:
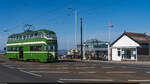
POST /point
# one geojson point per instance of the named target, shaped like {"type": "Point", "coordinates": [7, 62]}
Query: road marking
{"type": "Point", "coordinates": [60, 81]}
{"type": "Point", "coordinates": [48, 72]}
{"type": "Point", "coordinates": [86, 72]}
{"type": "Point", "coordinates": [62, 65]}
{"type": "Point", "coordinates": [134, 67]}
{"type": "Point", "coordinates": [86, 79]}
{"type": "Point", "coordinates": [43, 65]}
{"type": "Point", "coordinates": [33, 68]}
{"type": "Point", "coordinates": [31, 73]}
{"type": "Point", "coordinates": [121, 72]}
{"type": "Point", "coordinates": [9, 66]}
{"type": "Point", "coordinates": [2, 63]}
{"type": "Point", "coordinates": [44, 68]}
{"type": "Point", "coordinates": [147, 72]}
{"type": "Point", "coordinates": [107, 67]}
{"type": "Point", "coordinates": [33, 65]}
{"type": "Point", "coordinates": [62, 68]}
{"type": "Point", "coordinates": [84, 67]}
{"type": "Point", "coordinates": [139, 80]}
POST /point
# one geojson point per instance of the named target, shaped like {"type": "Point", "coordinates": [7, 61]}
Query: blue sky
{"type": "Point", "coordinates": [126, 15]}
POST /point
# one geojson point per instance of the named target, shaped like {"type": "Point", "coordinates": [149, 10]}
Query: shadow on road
{"type": "Point", "coordinates": [58, 61]}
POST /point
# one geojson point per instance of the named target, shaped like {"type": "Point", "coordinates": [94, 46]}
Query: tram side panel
{"type": "Point", "coordinates": [31, 54]}
{"type": "Point", "coordinates": [12, 52]}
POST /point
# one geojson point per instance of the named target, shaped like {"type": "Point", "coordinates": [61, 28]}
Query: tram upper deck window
{"type": "Point", "coordinates": [28, 36]}
{"type": "Point", "coordinates": [35, 35]}
{"type": "Point", "coordinates": [9, 39]}
{"type": "Point", "coordinates": [12, 39]}
{"type": "Point", "coordinates": [51, 47]}
{"type": "Point", "coordinates": [16, 37]}
{"type": "Point", "coordinates": [41, 35]}
{"type": "Point", "coordinates": [38, 36]}
{"type": "Point", "coordinates": [48, 35]}
{"type": "Point", "coordinates": [22, 37]}
{"type": "Point", "coordinates": [19, 37]}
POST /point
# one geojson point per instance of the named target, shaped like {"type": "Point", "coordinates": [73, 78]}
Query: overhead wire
{"type": "Point", "coordinates": [90, 11]}
{"type": "Point", "coordinates": [45, 13]}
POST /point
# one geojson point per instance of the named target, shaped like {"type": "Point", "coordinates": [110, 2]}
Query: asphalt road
{"type": "Point", "coordinates": [72, 72]}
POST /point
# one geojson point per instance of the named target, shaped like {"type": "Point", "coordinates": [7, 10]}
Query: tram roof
{"type": "Point", "coordinates": [31, 32]}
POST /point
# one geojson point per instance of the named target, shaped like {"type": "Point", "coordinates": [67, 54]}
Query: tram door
{"type": "Point", "coordinates": [21, 52]}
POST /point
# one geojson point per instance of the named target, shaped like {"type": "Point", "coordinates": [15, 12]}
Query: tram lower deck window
{"type": "Point", "coordinates": [35, 48]}
{"type": "Point", "coordinates": [12, 48]}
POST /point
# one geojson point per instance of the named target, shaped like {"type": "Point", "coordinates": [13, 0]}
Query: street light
{"type": "Point", "coordinates": [75, 25]}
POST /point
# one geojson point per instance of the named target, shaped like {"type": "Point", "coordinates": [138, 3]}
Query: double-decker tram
{"type": "Point", "coordinates": [33, 45]}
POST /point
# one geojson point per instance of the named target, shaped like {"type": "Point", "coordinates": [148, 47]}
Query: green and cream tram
{"type": "Point", "coordinates": [33, 45]}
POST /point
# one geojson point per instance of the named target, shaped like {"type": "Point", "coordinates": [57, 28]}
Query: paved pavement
{"type": "Point", "coordinates": [66, 71]}
{"type": "Point", "coordinates": [117, 62]}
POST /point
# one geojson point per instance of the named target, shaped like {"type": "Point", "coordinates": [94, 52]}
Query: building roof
{"type": "Point", "coordinates": [95, 42]}
{"type": "Point", "coordinates": [137, 37]}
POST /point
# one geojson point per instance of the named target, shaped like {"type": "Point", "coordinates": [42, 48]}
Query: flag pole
{"type": "Point", "coordinates": [109, 41]}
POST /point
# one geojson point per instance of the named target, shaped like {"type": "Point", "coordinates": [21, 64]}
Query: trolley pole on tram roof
{"type": "Point", "coordinates": [81, 54]}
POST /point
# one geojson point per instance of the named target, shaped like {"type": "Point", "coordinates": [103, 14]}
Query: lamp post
{"type": "Point", "coordinates": [75, 38]}
{"type": "Point", "coordinates": [84, 44]}
{"type": "Point", "coordinates": [81, 55]}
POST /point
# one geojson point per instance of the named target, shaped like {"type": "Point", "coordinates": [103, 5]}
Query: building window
{"type": "Point", "coordinates": [35, 48]}
{"type": "Point", "coordinates": [144, 49]}
{"type": "Point", "coordinates": [119, 51]}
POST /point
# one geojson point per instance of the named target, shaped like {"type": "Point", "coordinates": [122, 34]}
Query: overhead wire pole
{"type": "Point", "coordinates": [75, 28]}
{"type": "Point", "coordinates": [81, 54]}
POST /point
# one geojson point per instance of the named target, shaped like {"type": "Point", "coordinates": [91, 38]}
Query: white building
{"type": "Point", "coordinates": [131, 46]}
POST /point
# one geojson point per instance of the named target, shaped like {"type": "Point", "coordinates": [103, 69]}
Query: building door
{"type": "Point", "coordinates": [21, 52]}
{"type": "Point", "coordinates": [128, 54]}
